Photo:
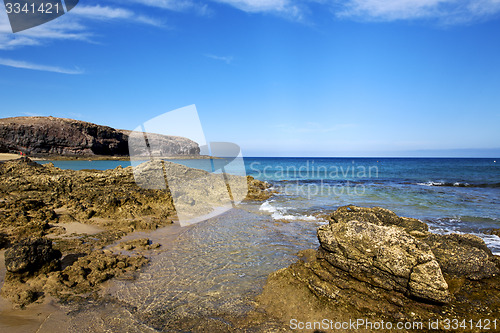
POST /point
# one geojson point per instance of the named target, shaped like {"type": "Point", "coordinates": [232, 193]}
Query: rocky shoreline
{"type": "Point", "coordinates": [371, 263]}
{"type": "Point", "coordinates": [374, 264]}
{"type": "Point", "coordinates": [39, 202]}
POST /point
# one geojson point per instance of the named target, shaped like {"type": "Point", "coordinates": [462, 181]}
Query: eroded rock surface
{"type": "Point", "coordinates": [385, 257]}
{"type": "Point", "coordinates": [463, 255]}
{"type": "Point", "coordinates": [373, 264]}
{"type": "Point", "coordinates": [68, 137]}
{"type": "Point", "coordinates": [378, 216]}
{"type": "Point", "coordinates": [31, 255]}
{"type": "Point", "coordinates": [34, 198]}
{"type": "Point", "coordinates": [84, 275]}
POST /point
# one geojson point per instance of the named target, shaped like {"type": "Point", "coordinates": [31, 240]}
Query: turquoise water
{"type": "Point", "coordinates": [212, 272]}
{"type": "Point", "coordinates": [451, 194]}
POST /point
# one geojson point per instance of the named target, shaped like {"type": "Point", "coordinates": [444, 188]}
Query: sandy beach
{"type": "Point", "coordinates": [8, 157]}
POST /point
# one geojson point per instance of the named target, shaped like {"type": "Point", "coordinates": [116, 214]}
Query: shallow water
{"type": "Point", "coordinates": [211, 273]}
{"type": "Point", "coordinates": [209, 276]}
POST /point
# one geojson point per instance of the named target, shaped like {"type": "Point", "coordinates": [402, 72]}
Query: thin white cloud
{"type": "Point", "coordinates": [226, 59]}
{"type": "Point", "coordinates": [102, 12]}
{"type": "Point", "coordinates": [60, 29]}
{"type": "Point", "coordinates": [258, 5]}
{"type": "Point", "coordinates": [175, 5]}
{"type": "Point", "coordinates": [288, 8]}
{"type": "Point", "coordinates": [72, 26]}
{"type": "Point", "coordinates": [106, 13]}
{"type": "Point", "coordinates": [199, 8]}
{"type": "Point", "coordinates": [446, 11]}
{"type": "Point", "coordinates": [38, 67]}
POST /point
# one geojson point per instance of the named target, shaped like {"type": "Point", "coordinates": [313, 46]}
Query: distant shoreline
{"type": "Point", "coordinates": [8, 157]}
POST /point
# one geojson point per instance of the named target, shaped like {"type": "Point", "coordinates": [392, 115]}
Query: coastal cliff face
{"type": "Point", "coordinates": [374, 264]}
{"type": "Point", "coordinates": [68, 137]}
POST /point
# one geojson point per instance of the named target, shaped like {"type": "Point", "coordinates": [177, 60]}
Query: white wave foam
{"type": "Point", "coordinates": [441, 183]}
{"type": "Point", "coordinates": [430, 183]}
{"type": "Point", "coordinates": [267, 207]}
{"type": "Point", "coordinates": [280, 213]}
{"type": "Point", "coordinates": [491, 241]}
{"type": "Point", "coordinates": [279, 216]}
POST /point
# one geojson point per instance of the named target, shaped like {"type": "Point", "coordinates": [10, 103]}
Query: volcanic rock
{"type": "Point", "coordinates": [67, 137]}
{"type": "Point", "coordinates": [374, 264]}
{"type": "Point", "coordinates": [31, 255]}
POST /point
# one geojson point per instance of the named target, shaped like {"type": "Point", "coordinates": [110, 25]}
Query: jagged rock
{"type": "Point", "coordinates": [31, 255]}
{"type": "Point", "coordinates": [84, 275]}
{"type": "Point", "coordinates": [463, 255]}
{"type": "Point", "coordinates": [495, 232]}
{"type": "Point", "coordinates": [378, 216]}
{"type": "Point", "coordinates": [385, 257]}
{"type": "Point", "coordinates": [89, 271]}
{"type": "Point", "coordinates": [58, 136]}
{"type": "Point", "coordinates": [138, 244]}
{"type": "Point", "coordinates": [258, 190]}
{"type": "Point", "coordinates": [35, 198]}
{"type": "Point", "coordinates": [4, 241]}
{"type": "Point", "coordinates": [375, 266]}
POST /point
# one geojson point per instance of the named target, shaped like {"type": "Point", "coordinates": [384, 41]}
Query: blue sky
{"type": "Point", "coordinates": [277, 77]}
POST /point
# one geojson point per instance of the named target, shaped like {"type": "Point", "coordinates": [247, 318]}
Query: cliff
{"type": "Point", "coordinates": [58, 136]}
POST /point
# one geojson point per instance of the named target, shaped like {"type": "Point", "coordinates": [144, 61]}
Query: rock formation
{"type": "Point", "coordinates": [372, 263]}
{"type": "Point", "coordinates": [385, 257]}
{"type": "Point", "coordinates": [31, 255]}
{"type": "Point", "coordinates": [35, 199]}
{"type": "Point", "coordinates": [41, 136]}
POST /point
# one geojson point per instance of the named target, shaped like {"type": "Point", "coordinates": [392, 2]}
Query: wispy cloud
{"type": "Point", "coordinates": [60, 29]}
{"type": "Point", "coordinates": [106, 13]}
{"type": "Point", "coordinates": [289, 8]}
{"type": "Point", "coordinates": [226, 59]}
{"type": "Point", "coordinates": [445, 11]}
{"type": "Point", "coordinates": [176, 5]}
{"type": "Point", "coordinates": [76, 25]}
{"type": "Point", "coordinates": [102, 12]}
{"type": "Point", "coordinates": [196, 7]}
{"type": "Point", "coordinates": [38, 67]}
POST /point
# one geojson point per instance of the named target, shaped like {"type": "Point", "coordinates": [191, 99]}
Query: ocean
{"type": "Point", "coordinates": [211, 272]}
{"type": "Point", "coordinates": [450, 194]}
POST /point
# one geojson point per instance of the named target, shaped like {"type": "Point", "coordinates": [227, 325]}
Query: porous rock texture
{"type": "Point", "coordinates": [373, 264]}
{"type": "Point", "coordinates": [41, 136]}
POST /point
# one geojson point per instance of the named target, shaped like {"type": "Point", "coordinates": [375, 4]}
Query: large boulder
{"type": "Point", "coordinates": [373, 264]}
{"type": "Point", "coordinates": [31, 255]}
{"type": "Point", "coordinates": [4, 241]}
{"type": "Point", "coordinates": [463, 255]}
{"type": "Point", "coordinates": [385, 257]}
{"type": "Point", "coordinates": [378, 216]}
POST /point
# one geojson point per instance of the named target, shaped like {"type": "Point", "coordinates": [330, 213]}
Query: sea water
{"type": "Point", "coordinates": [450, 194]}
{"type": "Point", "coordinates": [211, 272]}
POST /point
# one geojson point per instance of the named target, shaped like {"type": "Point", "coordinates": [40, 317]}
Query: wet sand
{"type": "Point", "coordinates": [76, 228]}
{"type": "Point", "coordinates": [8, 157]}
{"type": "Point", "coordinates": [50, 316]}
{"type": "Point", "coordinates": [32, 319]}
